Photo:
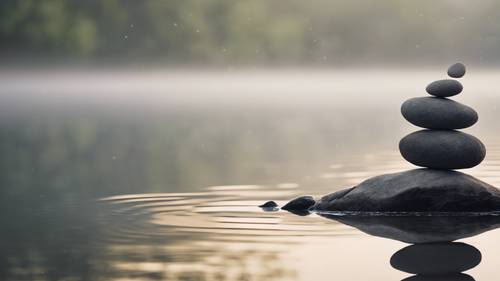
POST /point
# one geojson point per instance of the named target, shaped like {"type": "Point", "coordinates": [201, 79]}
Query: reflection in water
{"type": "Point", "coordinates": [421, 229]}
{"type": "Point", "coordinates": [437, 261]}
{"type": "Point", "coordinates": [434, 257]}
{"type": "Point", "coordinates": [447, 277]}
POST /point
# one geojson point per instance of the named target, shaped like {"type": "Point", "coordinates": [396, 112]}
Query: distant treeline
{"type": "Point", "coordinates": [251, 31]}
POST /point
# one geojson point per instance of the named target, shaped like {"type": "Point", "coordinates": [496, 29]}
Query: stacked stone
{"type": "Point", "coordinates": [440, 145]}
{"type": "Point", "coordinates": [440, 148]}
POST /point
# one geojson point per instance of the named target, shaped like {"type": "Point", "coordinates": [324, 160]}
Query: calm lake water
{"type": "Point", "coordinates": [157, 176]}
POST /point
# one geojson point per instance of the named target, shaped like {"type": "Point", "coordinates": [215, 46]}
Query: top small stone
{"type": "Point", "coordinates": [457, 70]}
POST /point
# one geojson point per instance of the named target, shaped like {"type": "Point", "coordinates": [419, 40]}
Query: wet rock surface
{"type": "Point", "coordinates": [300, 204]}
{"type": "Point", "coordinates": [419, 190]}
{"type": "Point", "coordinates": [269, 204]}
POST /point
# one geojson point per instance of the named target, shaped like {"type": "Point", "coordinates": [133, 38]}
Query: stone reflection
{"type": "Point", "coordinates": [437, 261]}
{"type": "Point", "coordinates": [433, 256]}
{"type": "Point", "coordinates": [449, 277]}
{"type": "Point", "coordinates": [421, 229]}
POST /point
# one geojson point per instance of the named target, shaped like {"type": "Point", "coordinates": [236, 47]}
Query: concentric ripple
{"type": "Point", "coordinates": [222, 213]}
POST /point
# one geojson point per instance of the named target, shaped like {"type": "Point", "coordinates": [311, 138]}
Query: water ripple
{"type": "Point", "coordinates": [217, 213]}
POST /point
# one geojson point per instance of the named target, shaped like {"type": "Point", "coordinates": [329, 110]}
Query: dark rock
{"type": "Point", "coordinates": [411, 228]}
{"type": "Point", "coordinates": [444, 88]}
{"type": "Point", "coordinates": [436, 258]}
{"type": "Point", "coordinates": [457, 70]}
{"type": "Point", "coordinates": [299, 204]}
{"type": "Point", "coordinates": [438, 113]}
{"type": "Point", "coordinates": [269, 204]}
{"type": "Point", "coordinates": [446, 277]}
{"type": "Point", "coordinates": [334, 196]}
{"type": "Point", "coordinates": [442, 149]}
{"type": "Point", "coordinates": [419, 190]}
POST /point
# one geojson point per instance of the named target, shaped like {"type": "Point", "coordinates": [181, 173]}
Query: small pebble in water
{"type": "Point", "coordinates": [269, 204]}
{"type": "Point", "coordinates": [302, 203]}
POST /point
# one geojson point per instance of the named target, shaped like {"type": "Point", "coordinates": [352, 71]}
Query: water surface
{"type": "Point", "coordinates": [139, 185]}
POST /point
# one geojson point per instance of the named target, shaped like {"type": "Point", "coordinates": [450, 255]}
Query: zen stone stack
{"type": "Point", "coordinates": [440, 148]}
{"type": "Point", "coordinates": [440, 145]}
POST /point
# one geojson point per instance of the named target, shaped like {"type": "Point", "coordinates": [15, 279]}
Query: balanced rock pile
{"type": "Point", "coordinates": [440, 148]}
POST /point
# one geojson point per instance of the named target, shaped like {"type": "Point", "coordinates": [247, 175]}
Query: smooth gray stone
{"type": "Point", "coordinates": [442, 149]}
{"type": "Point", "coordinates": [444, 88]}
{"type": "Point", "coordinates": [419, 190]}
{"type": "Point", "coordinates": [299, 204]}
{"type": "Point", "coordinates": [438, 113]}
{"type": "Point", "coordinates": [457, 70]}
{"type": "Point", "coordinates": [269, 204]}
{"type": "Point", "coordinates": [411, 228]}
{"type": "Point", "coordinates": [436, 258]}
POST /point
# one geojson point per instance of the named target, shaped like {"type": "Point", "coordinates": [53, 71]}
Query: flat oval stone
{"type": "Point", "coordinates": [442, 149]}
{"type": "Point", "coordinates": [438, 113]}
{"type": "Point", "coordinates": [457, 70]}
{"type": "Point", "coordinates": [444, 88]}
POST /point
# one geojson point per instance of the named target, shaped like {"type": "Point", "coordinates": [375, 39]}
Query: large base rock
{"type": "Point", "coordinates": [420, 190]}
